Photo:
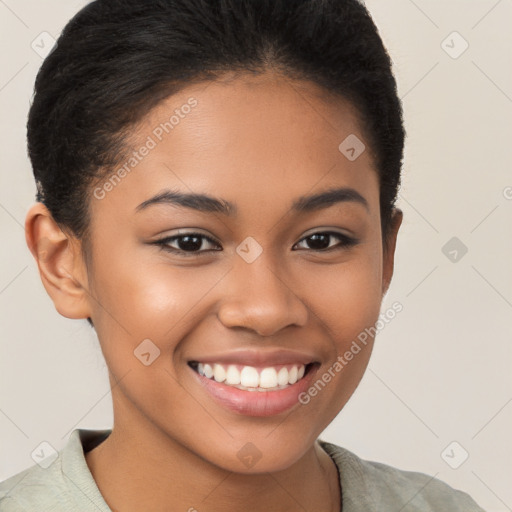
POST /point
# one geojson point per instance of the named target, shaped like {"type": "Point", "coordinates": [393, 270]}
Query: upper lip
{"type": "Point", "coordinates": [257, 357]}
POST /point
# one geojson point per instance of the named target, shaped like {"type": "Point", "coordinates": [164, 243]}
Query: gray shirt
{"type": "Point", "coordinates": [67, 484]}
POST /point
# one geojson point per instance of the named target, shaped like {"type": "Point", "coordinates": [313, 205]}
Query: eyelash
{"type": "Point", "coordinates": [346, 243]}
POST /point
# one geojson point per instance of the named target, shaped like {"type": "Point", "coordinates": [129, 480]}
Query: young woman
{"type": "Point", "coordinates": [216, 185]}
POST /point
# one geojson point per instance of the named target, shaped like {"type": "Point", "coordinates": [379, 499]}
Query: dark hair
{"type": "Point", "coordinates": [117, 59]}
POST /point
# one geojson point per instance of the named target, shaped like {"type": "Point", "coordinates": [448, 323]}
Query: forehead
{"type": "Point", "coordinates": [258, 141]}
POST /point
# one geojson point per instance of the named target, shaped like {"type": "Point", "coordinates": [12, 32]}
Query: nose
{"type": "Point", "coordinates": [259, 298]}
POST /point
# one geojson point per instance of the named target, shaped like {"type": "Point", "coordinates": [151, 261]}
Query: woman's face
{"type": "Point", "coordinates": [265, 293]}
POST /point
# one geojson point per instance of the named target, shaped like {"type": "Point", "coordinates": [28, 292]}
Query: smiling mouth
{"type": "Point", "coordinates": [251, 378]}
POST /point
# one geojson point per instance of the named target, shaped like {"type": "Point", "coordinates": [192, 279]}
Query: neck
{"type": "Point", "coordinates": [138, 469]}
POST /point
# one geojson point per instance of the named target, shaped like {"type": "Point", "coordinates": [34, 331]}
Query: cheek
{"type": "Point", "coordinates": [346, 298]}
{"type": "Point", "coordinates": [146, 297]}
{"type": "Point", "coordinates": [347, 304]}
{"type": "Point", "coordinates": [140, 289]}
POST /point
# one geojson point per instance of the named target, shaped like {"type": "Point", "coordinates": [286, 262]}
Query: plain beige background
{"type": "Point", "coordinates": [439, 385]}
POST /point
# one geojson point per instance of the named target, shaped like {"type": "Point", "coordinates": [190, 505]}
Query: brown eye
{"type": "Point", "coordinates": [321, 241]}
{"type": "Point", "coordinates": [189, 244]}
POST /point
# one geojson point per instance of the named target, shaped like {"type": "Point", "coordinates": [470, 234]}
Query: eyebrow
{"type": "Point", "coordinates": [209, 204]}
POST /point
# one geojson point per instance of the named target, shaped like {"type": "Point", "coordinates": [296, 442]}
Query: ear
{"type": "Point", "coordinates": [60, 263]}
{"type": "Point", "coordinates": [389, 249]}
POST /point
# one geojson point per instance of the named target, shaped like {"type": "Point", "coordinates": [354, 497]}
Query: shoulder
{"type": "Point", "coordinates": [61, 482]}
{"type": "Point", "coordinates": [388, 488]}
{"type": "Point", "coordinates": [33, 485]}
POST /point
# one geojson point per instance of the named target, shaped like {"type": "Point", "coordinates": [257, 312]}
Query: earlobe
{"type": "Point", "coordinates": [389, 250]}
{"type": "Point", "coordinates": [59, 261]}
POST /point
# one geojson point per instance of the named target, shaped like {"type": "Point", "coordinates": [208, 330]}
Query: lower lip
{"type": "Point", "coordinates": [257, 403]}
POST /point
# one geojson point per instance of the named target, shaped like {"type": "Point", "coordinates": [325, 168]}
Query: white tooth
{"type": "Point", "coordinates": [232, 375]}
{"type": "Point", "coordinates": [302, 369]}
{"type": "Point", "coordinates": [219, 374]}
{"type": "Point", "coordinates": [200, 369]}
{"type": "Point", "coordinates": [208, 372]}
{"type": "Point", "coordinates": [268, 378]}
{"type": "Point", "coordinates": [292, 375]}
{"type": "Point", "coordinates": [249, 377]}
{"type": "Point", "coordinates": [282, 376]}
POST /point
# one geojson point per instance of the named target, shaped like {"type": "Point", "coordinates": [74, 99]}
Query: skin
{"type": "Point", "coordinates": [259, 142]}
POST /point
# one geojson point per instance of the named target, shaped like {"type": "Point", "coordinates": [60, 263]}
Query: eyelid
{"type": "Point", "coordinates": [327, 229]}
